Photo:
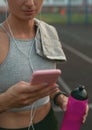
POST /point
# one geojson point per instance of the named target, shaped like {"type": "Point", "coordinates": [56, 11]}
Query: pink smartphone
{"type": "Point", "coordinates": [45, 76]}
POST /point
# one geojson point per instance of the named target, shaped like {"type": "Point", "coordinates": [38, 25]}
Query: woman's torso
{"type": "Point", "coordinates": [17, 63]}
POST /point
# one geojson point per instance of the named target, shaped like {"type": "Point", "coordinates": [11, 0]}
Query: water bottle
{"type": "Point", "coordinates": [75, 110]}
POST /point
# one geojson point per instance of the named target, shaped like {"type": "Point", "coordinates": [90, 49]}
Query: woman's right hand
{"type": "Point", "coordinates": [23, 94]}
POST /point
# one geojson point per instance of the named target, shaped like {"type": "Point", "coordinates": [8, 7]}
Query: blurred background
{"type": "Point", "coordinates": [73, 22]}
{"type": "Point", "coordinates": [68, 11]}
{"type": "Point", "coordinates": [63, 11]}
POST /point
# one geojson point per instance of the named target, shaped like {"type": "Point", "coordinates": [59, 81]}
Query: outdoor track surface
{"type": "Point", "coordinates": [77, 44]}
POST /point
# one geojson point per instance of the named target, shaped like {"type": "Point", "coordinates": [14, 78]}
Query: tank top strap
{"type": "Point", "coordinates": [4, 29]}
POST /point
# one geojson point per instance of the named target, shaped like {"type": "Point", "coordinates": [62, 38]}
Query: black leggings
{"type": "Point", "coordinates": [48, 123]}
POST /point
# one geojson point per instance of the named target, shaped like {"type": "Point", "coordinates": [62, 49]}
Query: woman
{"type": "Point", "coordinates": [27, 45]}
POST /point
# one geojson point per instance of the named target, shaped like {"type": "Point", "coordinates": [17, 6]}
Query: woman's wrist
{"type": "Point", "coordinates": [58, 98]}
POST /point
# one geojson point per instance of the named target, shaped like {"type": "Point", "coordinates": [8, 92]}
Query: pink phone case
{"type": "Point", "coordinates": [45, 76]}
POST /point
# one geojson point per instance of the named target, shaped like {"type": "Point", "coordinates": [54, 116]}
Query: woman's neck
{"type": "Point", "coordinates": [21, 28]}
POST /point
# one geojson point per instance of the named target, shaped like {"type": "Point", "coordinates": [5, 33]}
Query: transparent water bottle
{"type": "Point", "coordinates": [76, 107]}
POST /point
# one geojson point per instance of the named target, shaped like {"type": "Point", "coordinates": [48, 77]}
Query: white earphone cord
{"type": "Point", "coordinates": [32, 114]}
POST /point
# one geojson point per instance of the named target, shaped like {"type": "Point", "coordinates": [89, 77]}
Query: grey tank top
{"type": "Point", "coordinates": [19, 65]}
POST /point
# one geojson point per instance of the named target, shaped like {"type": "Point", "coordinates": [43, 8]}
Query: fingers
{"type": "Point", "coordinates": [86, 114]}
{"type": "Point", "coordinates": [38, 95]}
{"type": "Point", "coordinates": [37, 92]}
{"type": "Point", "coordinates": [23, 94]}
{"type": "Point", "coordinates": [44, 91]}
{"type": "Point", "coordinates": [25, 87]}
{"type": "Point", "coordinates": [38, 87]}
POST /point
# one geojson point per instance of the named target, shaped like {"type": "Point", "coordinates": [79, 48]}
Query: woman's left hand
{"type": "Point", "coordinates": [63, 100]}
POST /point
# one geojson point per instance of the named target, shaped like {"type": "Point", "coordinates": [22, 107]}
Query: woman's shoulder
{"type": "Point", "coordinates": [3, 38]}
{"type": "Point", "coordinates": [47, 29]}
{"type": "Point", "coordinates": [44, 24]}
{"type": "Point", "coordinates": [3, 34]}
